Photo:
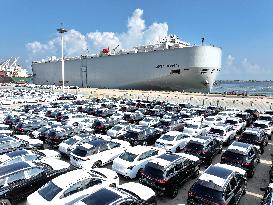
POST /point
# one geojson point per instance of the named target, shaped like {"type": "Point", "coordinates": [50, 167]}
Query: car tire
{"type": "Point", "coordinates": [97, 164]}
{"type": "Point", "coordinates": [174, 192]}
{"type": "Point", "coordinates": [251, 174]}
{"type": "Point", "coordinates": [5, 202]}
{"type": "Point", "coordinates": [177, 149]}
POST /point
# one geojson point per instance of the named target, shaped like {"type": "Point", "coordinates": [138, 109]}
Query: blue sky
{"type": "Point", "coordinates": [244, 29]}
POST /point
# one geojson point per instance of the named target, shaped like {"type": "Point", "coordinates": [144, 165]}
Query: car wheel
{"type": "Point", "coordinates": [177, 149]}
{"type": "Point", "coordinates": [220, 149]}
{"type": "Point", "coordinates": [97, 164]}
{"type": "Point", "coordinates": [5, 202]}
{"type": "Point", "coordinates": [144, 143]}
{"type": "Point", "coordinates": [174, 192]}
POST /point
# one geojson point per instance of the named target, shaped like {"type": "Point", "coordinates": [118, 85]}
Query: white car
{"type": "Point", "coordinates": [72, 186]}
{"type": "Point", "coordinates": [267, 126]}
{"type": "Point", "coordinates": [224, 133]}
{"type": "Point", "coordinates": [97, 153]}
{"type": "Point", "coordinates": [129, 193]}
{"type": "Point", "coordinates": [117, 130]}
{"type": "Point", "coordinates": [196, 129]}
{"type": "Point", "coordinates": [149, 121]}
{"type": "Point", "coordinates": [32, 143]}
{"type": "Point", "coordinates": [213, 120]}
{"type": "Point", "coordinates": [173, 141]}
{"type": "Point", "coordinates": [131, 162]}
{"type": "Point", "coordinates": [238, 124]}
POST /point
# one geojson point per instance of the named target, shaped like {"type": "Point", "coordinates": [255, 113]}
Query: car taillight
{"type": "Point", "coordinates": [204, 152]}
{"type": "Point", "coordinates": [21, 129]}
{"type": "Point", "coordinates": [259, 141]}
{"type": "Point", "coordinates": [162, 181]}
{"type": "Point", "coordinates": [248, 164]}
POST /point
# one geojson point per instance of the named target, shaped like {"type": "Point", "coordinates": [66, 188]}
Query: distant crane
{"type": "Point", "coordinates": [115, 48]}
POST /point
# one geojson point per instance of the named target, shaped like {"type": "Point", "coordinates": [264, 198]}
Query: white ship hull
{"type": "Point", "coordinates": [180, 69]}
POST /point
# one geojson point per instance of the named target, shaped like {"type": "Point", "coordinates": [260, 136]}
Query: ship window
{"type": "Point", "coordinates": [175, 71]}
{"type": "Point", "coordinates": [205, 69]}
{"type": "Point", "coordinates": [186, 69]}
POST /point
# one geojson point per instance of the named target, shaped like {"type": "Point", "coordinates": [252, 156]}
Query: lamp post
{"type": "Point", "coordinates": [62, 31]}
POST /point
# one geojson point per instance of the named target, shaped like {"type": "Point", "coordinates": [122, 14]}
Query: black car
{"type": "Point", "coordinates": [19, 180]}
{"type": "Point", "coordinates": [268, 195]}
{"type": "Point", "coordinates": [204, 147]}
{"type": "Point", "coordinates": [55, 136]}
{"type": "Point", "coordinates": [253, 112]}
{"type": "Point", "coordinates": [27, 128]}
{"type": "Point", "coordinates": [141, 135]}
{"type": "Point", "coordinates": [166, 173]}
{"type": "Point", "coordinates": [219, 184]}
{"type": "Point", "coordinates": [255, 136]}
{"type": "Point", "coordinates": [100, 127]}
{"type": "Point", "coordinates": [243, 155]}
{"type": "Point", "coordinates": [245, 116]}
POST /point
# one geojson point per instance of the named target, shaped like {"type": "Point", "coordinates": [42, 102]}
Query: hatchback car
{"type": "Point", "coordinates": [219, 184]}
{"type": "Point", "coordinates": [166, 173]}
{"type": "Point", "coordinates": [243, 155]}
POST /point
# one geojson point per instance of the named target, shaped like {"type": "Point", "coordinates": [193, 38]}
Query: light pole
{"type": "Point", "coordinates": [62, 31]}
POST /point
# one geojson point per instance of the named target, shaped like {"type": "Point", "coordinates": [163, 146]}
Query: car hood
{"type": "Point", "coordinates": [56, 164]}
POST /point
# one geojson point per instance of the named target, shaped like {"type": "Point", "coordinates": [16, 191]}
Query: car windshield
{"type": "Point", "coordinates": [263, 126]}
{"type": "Point", "coordinates": [236, 156]}
{"type": "Point", "coordinates": [232, 122]}
{"type": "Point", "coordinates": [216, 131]}
{"type": "Point", "coordinates": [101, 197]}
{"type": "Point", "coordinates": [191, 126]}
{"type": "Point", "coordinates": [131, 135]}
{"type": "Point", "coordinates": [167, 137]}
{"type": "Point", "coordinates": [153, 172]}
{"type": "Point", "coordinates": [80, 152]}
{"type": "Point", "coordinates": [117, 128]}
{"type": "Point", "coordinates": [49, 191]}
{"type": "Point", "coordinates": [194, 146]}
{"type": "Point", "coordinates": [202, 192]}
{"type": "Point", "coordinates": [249, 136]}
{"type": "Point", "coordinates": [266, 118]}
{"type": "Point", "coordinates": [71, 141]}
{"type": "Point", "coordinates": [127, 156]}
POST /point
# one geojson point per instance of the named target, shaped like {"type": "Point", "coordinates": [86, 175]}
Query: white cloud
{"type": "Point", "coordinates": [244, 69]}
{"type": "Point", "coordinates": [76, 43]}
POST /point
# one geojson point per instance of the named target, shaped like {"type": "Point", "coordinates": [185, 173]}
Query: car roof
{"type": "Point", "coordinates": [140, 149]}
{"type": "Point", "coordinates": [71, 177]}
{"type": "Point", "coordinates": [262, 122]}
{"type": "Point", "coordinates": [173, 133]}
{"type": "Point", "coordinates": [13, 168]}
{"type": "Point", "coordinates": [201, 140]}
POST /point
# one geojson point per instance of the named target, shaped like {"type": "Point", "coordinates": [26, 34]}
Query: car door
{"type": "Point", "coordinates": [115, 149]}
{"type": "Point", "coordinates": [35, 179]}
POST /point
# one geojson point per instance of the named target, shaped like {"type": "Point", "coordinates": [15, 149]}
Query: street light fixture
{"type": "Point", "coordinates": [62, 31]}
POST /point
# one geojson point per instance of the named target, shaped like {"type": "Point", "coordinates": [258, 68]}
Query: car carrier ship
{"type": "Point", "coordinates": [171, 64]}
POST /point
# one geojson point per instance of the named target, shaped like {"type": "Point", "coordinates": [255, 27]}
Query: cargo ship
{"type": "Point", "coordinates": [171, 64]}
{"type": "Point", "coordinates": [11, 72]}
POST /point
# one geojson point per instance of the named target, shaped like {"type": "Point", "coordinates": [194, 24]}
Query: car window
{"type": "Point", "coordinates": [251, 153]}
{"type": "Point", "coordinates": [33, 172]}
{"type": "Point", "coordinates": [180, 137]}
{"type": "Point", "coordinates": [145, 155]}
{"type": "Point", "coordinates": [233, 183]}
{"type": "Point", "coordinates": [178, 166]}
{"type": "Point", "coordinates": [82, 185]}
{"type": "Point", "coordinates": [170, 172]}
{"type": "Point", "coordinates": [113, 145]}
{"type": "Point", "coordinates": [227, 192]}
{"type": "Point", "coordinates": [129, 202]}
{"type": "Point", "coordinates": [16, 177]}
{"type": "Point", "coordinates": [103, 147]}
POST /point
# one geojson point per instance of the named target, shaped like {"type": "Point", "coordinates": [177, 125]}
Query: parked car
{"type": "Point", "coordinates": [219, 184]}
{"type": "Point", "coordinates": [255, 136]}
{"type": "Point", "coordinates": [224, 133]}
{"type": "Point", "coordinates": [132, 161]}
{"type": "Point", "coordinates": [204, 147]}
{"type": "Point", "coordinates": [268, 195]}
{"type": "Point", "coordinates": [267, 126]}
{"type": "Point", "coordinates": [173, 141]}
{"type": "Point", "coordinates": [97, 153]}
{"type": "Point", "coordinates": [73, 186]}
{"type": "Point", "coordinates": [166, 173]}
{"type": "Point", "coordinates": [23, 178]}
{"type": "Point", "coordinates": [237, 124]}
{"type": "Point", "coordinates": [243, 155]}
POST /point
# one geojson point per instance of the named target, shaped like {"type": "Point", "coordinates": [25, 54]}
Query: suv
{"type": "Point", "coordinates": [219, 184]}
{"type": "Point", "coordinates": [243, 155]}
{"type": "Point", "coordinates": [204, 147]}
{"type": "Point", "coordinates": [255, 136]}
{"type": "Point", "coordinates": [224, 133]}
{"type": "Point", "coordinates": [167, 172]}
{"type": "Point", "coordinates": [267, 126]}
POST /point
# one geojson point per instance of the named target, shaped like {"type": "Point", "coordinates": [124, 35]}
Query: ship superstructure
{"type": "Point", "coordinates": [171, 64]}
